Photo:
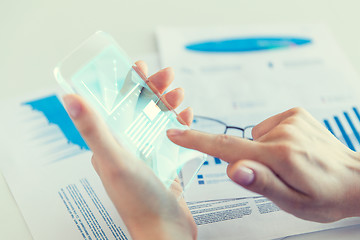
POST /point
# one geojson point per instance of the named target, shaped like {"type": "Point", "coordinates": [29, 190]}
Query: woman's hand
{"type": "Point", "coordinates": [148, 209]}
{"type": "Point", "coordinates": [294, 161]}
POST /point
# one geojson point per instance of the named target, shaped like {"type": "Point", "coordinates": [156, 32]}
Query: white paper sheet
{"type": "Point", "coordinates": [28, 130]}
{"type": "Point", "coordinates": [66, 200]}
{"type": "Point", "coordinates": [223, 84]}
{"type": "Point", "coordinates": [251, 219]}
{"type": "Point", "coordinates": [68, 191]}
{"type": "Point", "coordinates": [50, 175]}
{"type": "Point", "coordinates": [243, 89]}
{"type": "Point", "coordinates": [212, 182]}
{"type": "Point", "coordinates": [256, 217]}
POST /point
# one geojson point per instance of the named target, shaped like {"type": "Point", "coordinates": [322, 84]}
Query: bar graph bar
{"type": "Point", "coordinates": [356, 113]}
{"type": "Point", "coordinates": [212, 160]}
{"type": "Point", "coordinates": [351, 124]}
{"type": "Point", "coordinates": [328, 126]}
{"type": "Point", "coordinates": [344, 133]}
{"type": "Point", "coordinates": [217, 161]}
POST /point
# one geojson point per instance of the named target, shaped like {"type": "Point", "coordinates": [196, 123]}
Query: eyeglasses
{"type": "Point", "coordinates": [216, 126]}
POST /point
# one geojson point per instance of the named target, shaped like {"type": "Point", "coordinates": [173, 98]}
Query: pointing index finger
{"type": "Point", "coordinates": [225, 147]}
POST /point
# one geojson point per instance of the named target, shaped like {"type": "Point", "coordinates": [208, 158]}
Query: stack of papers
{"type": "Point", "coordinates": [49, 170]}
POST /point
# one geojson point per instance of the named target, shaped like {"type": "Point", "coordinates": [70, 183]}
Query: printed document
{"type": "Point", "coordinates": [242, 88]}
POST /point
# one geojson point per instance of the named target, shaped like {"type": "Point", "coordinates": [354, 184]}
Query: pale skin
{"type": "Point", "coordinates": [293, 160]}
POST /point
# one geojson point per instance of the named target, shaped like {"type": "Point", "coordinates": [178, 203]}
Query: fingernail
{"type": "Point", "coordinates": [72, 106]}
{"type": "Point", "coordinates": [244, 176]}
{"type": "Point", "coordinates": [174, 132]}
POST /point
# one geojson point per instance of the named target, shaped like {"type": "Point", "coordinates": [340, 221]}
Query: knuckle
{"type": "Point", "coordinates": [87, 130]}
{"type": "Point", "coordinates": [220, 140]}
{"type": "Point", "coordinates": [217, 146]}
{"type": "Point", "coordinates": [113, 175]}
{"type": "Point", "coordinates": [94, 163]}
{"type": "Point", "coordinates": [255, 131]}
{"type": "Point", "coordinates": [93, 159]}
{"type": "Point", "coordinates": [284, 151]}
{"type": "Point", "coordinates": [297, 111]}
{"type": "Point", "coordinates": [109, 171]}
{"type": "Point", "coordinates": [291, 121]}
{"type": "Point", "coordinates": [263, 185]}
{"type": "Point", "coordinates": [285, 131]}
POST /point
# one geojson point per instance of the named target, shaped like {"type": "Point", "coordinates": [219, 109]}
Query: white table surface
{"type": "Point", "coordinates": [35, 34]}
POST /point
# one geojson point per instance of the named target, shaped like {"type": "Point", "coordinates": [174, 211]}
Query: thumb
{"type": "Point", "coordinates": [91, 126]}
{"type": "Point", "coordinates": [259, 178]}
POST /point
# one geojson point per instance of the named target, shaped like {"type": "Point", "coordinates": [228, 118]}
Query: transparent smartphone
{"type": "Point", "coordinates": [138, 116]}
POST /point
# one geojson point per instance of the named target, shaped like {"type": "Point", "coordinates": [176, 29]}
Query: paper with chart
{"type": "Point", "coordinates": [223, 80]}
{"type": "Point", "coordinates": [211, 182]}
{"type": "Point", "coordinates": [245, 87]}
{"type": "Point", "coordinates": [50, 173]}
{"type": "Point", "coordinates": [257, 217]}
{"type": "Point", "coordinates": [66, 189]}
{"type": "Point", "coordinates": [52, 157]}
{"type": "Point", "coordinates": [41, 128]}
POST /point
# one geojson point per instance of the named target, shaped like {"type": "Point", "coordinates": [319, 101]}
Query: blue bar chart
{"type": "Point", "coordinates": [54, 134]}
{"type": "Point", "coordinates": [346, 127]}
{"type": "Point", "coordinates": [212, 160]}
{"type": "Point", "coordinates": [204, 177]}
{"type": "Point", "coordinates": [55, 113]}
